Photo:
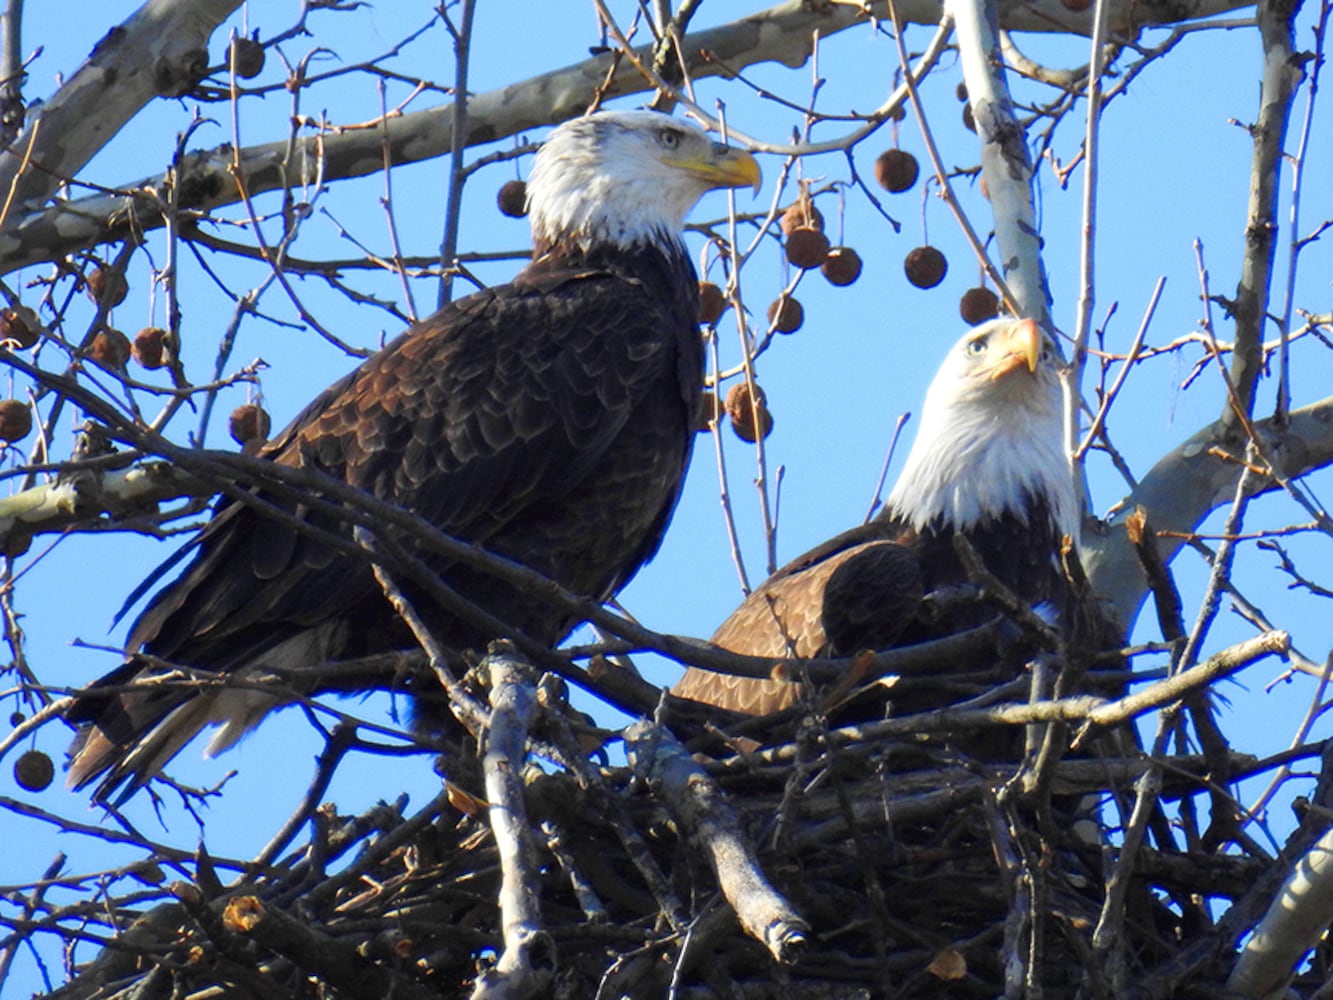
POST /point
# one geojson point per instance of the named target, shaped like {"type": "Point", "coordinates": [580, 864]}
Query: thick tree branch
{"type": "Point", "coordinates": [1188, 483]}
{"type": "Point", "coordinates": [1005, 164]}
{"type": "Point", "coordinates": [1298, 918]}
{"type": "Point", "coordinates": [160, 51]}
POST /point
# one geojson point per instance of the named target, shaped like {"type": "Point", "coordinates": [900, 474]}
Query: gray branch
{"type": "Point", "coordinates": [1188, 483]}
{"type": "Point", "coordinates": [160, 51]}
{"type": "Point", "coordinates": [1282, 73]}
{"type": "Point", "coordinates": [1298, 917]}
{"type": "Point", "coordinates": [526, 964]}
{"type": "Point", "coordinates": [709, 822]}
{"type": "Point", "coordinates": [1005, 164]}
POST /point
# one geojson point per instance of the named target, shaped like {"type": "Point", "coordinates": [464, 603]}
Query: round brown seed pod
{"type": "Point", "coordinates": [108, 286]}
{"type": "Point", "coordinates": [896, 170]}
{"type": "Point", "coordinates": [110, 349]}
{"type": "Point", "coordinates": [33, 771]}
{"type": "Point", "coordinates": [969, 122]}
{"type": "Point", "coordinates": [842, 266]}
{"type": "Point", "coordinates": [801, 214]}
{"type": "Point", "coordinates": [18, 328]}
{"type": "Point", "coordinates": [248, 422]}
{"type": "Point", "coordinates": [960, 91]}
{"type": "Point", "coordinates": [247, 58]}
{"type": "Point", "coordinates": [785, 314]}
{"type": "Point", "coordinates": [15, 420]}
{"type": "Point", "coordinates": [925, 267]}
{"type": "Point", "coordinates": [748, 413]}
{"type": "Point", "coordinates": [16, 718]}
{"type": "Point", "coordinates": [512, 199]}
{"type": "Point", "coordinates": [978, 305]}
{"type": "Point", "coordinates": [150, 347]}
{"type": "Point", "coordinates": [807, 247]}
{"type": "Point", "coordinates": [898, 114]}
{"type": "Point", "coordinates": [712, 303]}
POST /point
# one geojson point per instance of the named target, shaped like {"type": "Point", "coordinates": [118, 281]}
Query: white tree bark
{"type": "Point", "coordinates": [1005, 164]}
{"type": "Point", "coordinates": [1187, 484]}
{"type": "Point", "coordinates": [1298, 917]}
{"type": "Point", "coordinates": [160, 51]}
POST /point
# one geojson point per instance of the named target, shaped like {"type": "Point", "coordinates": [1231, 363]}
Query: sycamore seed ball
{"type": "Point", "coordinates": [785, 314]}
{"type": "Point", "coordinates": [978, 305]}
{"type": "Point", "coordinates": [247, 58]}
{"type": "Point", "coordinates": [896, 170]}
{"type": "Point", "coordinates": [110, 349]}
{"type": "Point", "coordinates": [807, 247]}
{"type": "Point", "coordinates": [842, 266]}
{"type": "Point", "coordinates": [108, 286]}
{"type": "Point", "coordinates": [150, 347]}
{"type": "Point", "coordinates": [15, 420]}
{"type": "Point", "coordinates": [969, 121]}
{"type": "Point", "coordinates": [925, 267]}
{"type": "Point", "coordinates": [247, 423]}
{"type": "Point", "coordinates": [16, 328]}
{"type": "Point", "coordinates": [33, 771]}
{"type": "Point", "coordinates": [512, 199]}
{"type": "Point", "coordinates": [749, 413]}
{"type": "Point", "coordinates": [712, 303]}
{"type": "Point", "coordinates": [801, 214]}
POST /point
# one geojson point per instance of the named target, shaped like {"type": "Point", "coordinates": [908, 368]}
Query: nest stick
{"type": "Point", "coordinates": [527, 962]}
{"type": "Point", "coordinates": [709, 821]}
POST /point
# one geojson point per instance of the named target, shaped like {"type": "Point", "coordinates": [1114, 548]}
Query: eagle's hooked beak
{"type": "Point", "coordinates": [727, 167]}
{"type": "Point", "coordinates": [1021, 346]}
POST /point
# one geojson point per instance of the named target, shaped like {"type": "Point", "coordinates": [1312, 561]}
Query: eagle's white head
{"type": "Point", "coordinates": [991, 439]}
{"type": "Point", "coordinates": [627, 178]}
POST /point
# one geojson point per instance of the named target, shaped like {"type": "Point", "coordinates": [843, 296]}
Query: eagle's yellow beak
{"type": "Point", "coordinates": [1020, 345]}
{"type": "Point", "coordinates": [726, 167]}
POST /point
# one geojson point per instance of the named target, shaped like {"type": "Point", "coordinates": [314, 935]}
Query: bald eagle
{"type": "Point", "coordinates": [988, 462]}
{"type": "Point", "coordinates": [548, 420]}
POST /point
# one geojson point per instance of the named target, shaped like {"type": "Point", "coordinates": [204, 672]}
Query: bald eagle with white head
{"type": "Point", "coordinates": [988, 463]}
{"type": "Point", "coordinates": [548, 420]}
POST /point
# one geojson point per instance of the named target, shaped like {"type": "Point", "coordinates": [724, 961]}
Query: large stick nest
{"type": "Point", "coordinates": [869, 860]}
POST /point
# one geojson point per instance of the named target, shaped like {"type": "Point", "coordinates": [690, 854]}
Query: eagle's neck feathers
{"type": "Point", "coordinates": [596, 182]}
{"type": "Point", "coordinates": [974, 463]}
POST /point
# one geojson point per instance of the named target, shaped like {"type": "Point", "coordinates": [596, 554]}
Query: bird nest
{"type": "Point", "coordinates": [1002, 848]}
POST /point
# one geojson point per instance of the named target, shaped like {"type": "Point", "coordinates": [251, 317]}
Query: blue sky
{"type": "Point", "coordinates": [1175, 169]}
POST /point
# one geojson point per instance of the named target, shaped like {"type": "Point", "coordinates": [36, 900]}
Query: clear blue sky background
{"type": "Point", "coordinates": [1175, 168]}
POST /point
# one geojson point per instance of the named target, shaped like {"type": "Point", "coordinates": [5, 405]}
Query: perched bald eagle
{"type": "Point", "coordinates": [988, 462]}
{"type": "Point", "coordinates": [548, 420]}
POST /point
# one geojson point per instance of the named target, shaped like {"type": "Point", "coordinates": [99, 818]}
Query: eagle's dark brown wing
{"type": "Point", "coordinates": [508, 419]}
{"type": "Point", "coordinates": [848, 594]}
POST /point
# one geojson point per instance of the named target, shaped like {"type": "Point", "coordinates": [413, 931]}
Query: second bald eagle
{"type": "Point", "coordinates": [988, 462]}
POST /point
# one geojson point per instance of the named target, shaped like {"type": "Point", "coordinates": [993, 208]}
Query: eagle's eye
{"type": "Point", "coordinates": [668, 138]}
{"type": "Point", "coordinates": [976, 347]}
